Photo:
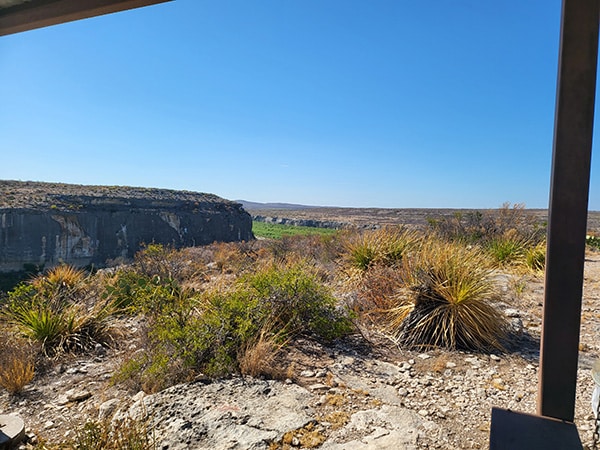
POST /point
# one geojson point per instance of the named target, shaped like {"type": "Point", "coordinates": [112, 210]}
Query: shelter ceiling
{"type": "Point", "coordinates": [23, 15]}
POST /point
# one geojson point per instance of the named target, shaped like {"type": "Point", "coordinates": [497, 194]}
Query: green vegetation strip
{"type": "Point", "coordinates": [277, 231]}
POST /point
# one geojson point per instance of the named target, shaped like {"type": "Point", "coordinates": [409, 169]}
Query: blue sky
{"type": "Point", "coordinates": [372, 103]}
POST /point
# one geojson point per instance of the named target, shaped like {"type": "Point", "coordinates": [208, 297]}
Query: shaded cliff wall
{"type": "Point", "coordinates": [96, 231]}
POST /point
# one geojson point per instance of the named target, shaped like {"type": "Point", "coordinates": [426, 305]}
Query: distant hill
{"type": "Point", "coordinates": [255, 205]}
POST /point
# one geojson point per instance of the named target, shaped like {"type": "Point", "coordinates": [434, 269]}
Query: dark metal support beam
{"type": "Point", "coordinates": [42, 13]}
{"type": "Point", "coordinates": [569, 193]}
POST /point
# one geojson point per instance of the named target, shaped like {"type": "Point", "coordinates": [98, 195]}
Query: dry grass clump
{"type": "Point", "coordinates": [234, 257]}
{"type": "Point", "coordinates": [309, 436]}
{"type": "Point", "coordinates": [60, 278]}
{"type": "Point", "coordinates": [515, 251]}
{"type": "Point", "coordinates": [17, 363]}
{"type": "Point", "coordinates": [452, 287]}
{"type": "Point", "coordinates": [258, 356]}
{"type": "Point", "coordinates": [377, 292]}
{"type": "Point", "coordinates": [129, 434]}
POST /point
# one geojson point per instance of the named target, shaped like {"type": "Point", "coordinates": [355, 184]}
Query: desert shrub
{"type": "Point", "coordinates": [296, 300]}
{"type": "Point", "coordinates": [461, 226]}
{"type": "Point", "coordinates": [592, 241]}
{"type": "Point", "coordinates": [234, 257]}
{"type": "Point", "coordinates": [59, 312]}
{"type": "Point", "coordinates": [376, 292]}
{"type": "Point", "coordinates": [319, 248]}
{"type": "Point", "coordinates": [17, 363]}
{"type": "Point", "coordinates": [217, 331]}
{"type": "Point", "coordinates": [452, 286]}
{"type": "Point", "coordinates": [167, 263]}
{"type": "Point", "coordinates": [133, 292]}
{"type": "Point", "coordinates": [476, 227]}
{"type": "Point", "coordinates": [384, 246]}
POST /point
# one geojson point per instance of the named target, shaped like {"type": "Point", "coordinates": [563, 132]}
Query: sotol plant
{"type": "Point", "coordinates": [452, 286]}
{"type": "Point", "coordinates": [59, 311]}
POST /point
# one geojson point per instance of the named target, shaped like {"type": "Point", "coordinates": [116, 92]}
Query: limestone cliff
{"type": "Point", "coordinates": [49, 223]}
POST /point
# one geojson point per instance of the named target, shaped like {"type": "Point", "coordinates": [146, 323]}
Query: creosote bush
{"type": "Point", "coordinates": [218, 332]}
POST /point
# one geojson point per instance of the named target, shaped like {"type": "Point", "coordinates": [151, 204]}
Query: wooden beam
{"type": "Point", "coordinates": [43, 13]}
{"type": "Point", "coordinates": [569, 191]}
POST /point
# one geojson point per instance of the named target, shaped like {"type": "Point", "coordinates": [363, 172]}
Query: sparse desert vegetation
{"type": "Point", "coordinates": [231, 309]}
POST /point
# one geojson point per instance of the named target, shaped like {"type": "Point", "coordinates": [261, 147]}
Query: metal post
{"type": "Point", "coordinates": [569, 192]}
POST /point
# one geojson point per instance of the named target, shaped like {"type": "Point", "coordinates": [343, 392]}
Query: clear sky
{"type": "Point", "coordinates": [371, 103]}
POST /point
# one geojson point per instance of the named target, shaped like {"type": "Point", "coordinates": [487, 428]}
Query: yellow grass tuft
{"type": "Point", "coordinates": [17, 366]}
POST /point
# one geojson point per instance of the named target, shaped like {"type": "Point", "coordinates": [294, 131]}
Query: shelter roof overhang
{"type": "Point", "coordinates": [24, 15]}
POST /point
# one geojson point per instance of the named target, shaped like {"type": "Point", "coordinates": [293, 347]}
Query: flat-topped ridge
{"type": "Point", "coordinates": [42, 195]}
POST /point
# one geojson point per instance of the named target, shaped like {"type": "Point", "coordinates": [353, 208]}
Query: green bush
{"type": "Point", "coordinates": [296, 300]}
{"type": "Point", "coordinates": [506, 250]}
{"type": "Point", "coordinates": [130, 291]}
{"type": "Point", "coordinates": [593, 241]}
{"type": "Point", "coordinates": [209, 333]}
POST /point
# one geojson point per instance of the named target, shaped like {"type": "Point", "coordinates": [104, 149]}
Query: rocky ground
{"type": "Point", "coordinates": [361, 393]}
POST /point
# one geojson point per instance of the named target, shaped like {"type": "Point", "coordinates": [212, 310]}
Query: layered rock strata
{"type": "Point", "coordinates": [45, 224]}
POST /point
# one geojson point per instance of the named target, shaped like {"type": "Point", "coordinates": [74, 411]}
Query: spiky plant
{"type": "Point", "coordinates": [61, 281]}
{"type": "Point", "coordinates": [384, 246]}
{"type": "Point", "coordinates": [506, 250]}
{"type": "Point", "coordinates": [535, 257]}
{"type": "Point", "coordinates": [61, 315]}
{"type": "Point", "coordinates": [449, 304]}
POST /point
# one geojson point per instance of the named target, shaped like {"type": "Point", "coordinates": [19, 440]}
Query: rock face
{"type": "Point", "coordinates": [49, 223]}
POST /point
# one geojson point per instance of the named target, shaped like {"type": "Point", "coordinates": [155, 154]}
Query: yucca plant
{"type": "Point", "coordinates": [449, 301]}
